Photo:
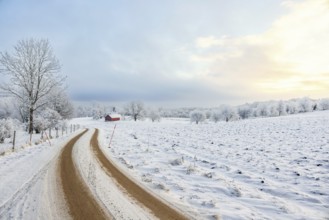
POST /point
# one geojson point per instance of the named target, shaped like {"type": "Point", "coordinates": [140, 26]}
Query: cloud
{"type": "Point", "coordinates": [290, 57]}
{"type": "Point", "coordinates": [184, 51]}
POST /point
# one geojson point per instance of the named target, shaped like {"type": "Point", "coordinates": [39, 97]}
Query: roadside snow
{"type": "Point", "coordinates": [264, 168]}
{"type": "Point", "coordinates": [28, 188]}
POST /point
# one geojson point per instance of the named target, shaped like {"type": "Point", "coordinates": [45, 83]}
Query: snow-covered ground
{"type": "Point", "coordinates": [264, 168]}
{"type": "Point", "coordinates": [28, 180]}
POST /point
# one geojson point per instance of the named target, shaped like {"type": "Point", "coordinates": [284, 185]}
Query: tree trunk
{"type": "Point", "coordinates": [31, 111]}
{"type": "Point", "coordinates": [135, 117]}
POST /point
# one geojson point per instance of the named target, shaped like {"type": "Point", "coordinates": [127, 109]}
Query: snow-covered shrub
{"type": "Point", "coordinates": [216, 116]}
{"type": "Point", "coordinates": [292, 107]}
{"type": "Point", "coordinates": [244, 111]}
{"type": "Point", "coordinates": [282, 108]}
{"type": "Point", "coordinates": [305, 105]}
{"type": "Point", "coordinates": [262, 110]}
{"type": "Point", "coordinates": [154, 115]}
{"type": "Point", "coordinates": [197, 116]}
{"type": "Point", "coordinates": [324, 104]}
{"type": "Point", "coordinates": [273, 110]}
{"type": "Point", "coordinates": [6, 129]}
{"type": "Point", "coordinates": [208, 114]}
{"type": "Point", "coordinates": [228, 113]}
{"type": "Point", "coordinates": [45, 119]}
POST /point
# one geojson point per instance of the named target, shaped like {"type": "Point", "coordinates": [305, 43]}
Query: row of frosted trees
{"type": "Point", "coordinates": [260, 109]}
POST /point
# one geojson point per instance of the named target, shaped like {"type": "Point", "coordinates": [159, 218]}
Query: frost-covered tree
{"type": "Point", "coordinates": [282, 108]}
{"type": "Point", "coordinates": [33, 71]}
{"type": "Point", "coordinates": [228, 113]}
{"type": "Point", "coordinates": [244, 111]}
{"type": "Point", "coordinates": [323, 104]}
{"type": "Point", "coordinates": [48, 118]}
{"type": "Point", "coordinates": [60, 102]}
{"type": "Point", "coordinates": [292, 107]}
{"type": "Point", "coordinates": [135, 109]}
{"type": "Point", "coordinates": [273, 109]}
{"type": "Point", "coordinates": [305, 105]}
{"type": "Point", "coordinates": [262, 110]}
{"type": "Point", "coordinates": [216, 116]}
{"type": "Point", "coordinates": [197, 116]}
{"type": "Point", "coordinates": [6, 129]}
{"type": "Point", "coordinates": [154, 115]}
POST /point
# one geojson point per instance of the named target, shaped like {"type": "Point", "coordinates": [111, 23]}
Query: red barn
{"type": "Point", "coordinates": [113, 117]}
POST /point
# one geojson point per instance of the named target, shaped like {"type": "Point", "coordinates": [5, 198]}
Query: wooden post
{"type": "Point", "coordinates": [31, 138]}
{"type": "Point", "coordinates": [112, 135]}
{"type": "Point", "coordinates": [48, 138]}
{"type": "Point", "coordinates": [14, 139]}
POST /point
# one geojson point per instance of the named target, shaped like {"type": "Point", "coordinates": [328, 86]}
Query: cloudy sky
{"type": "Point", "coordinates": [180, 52]}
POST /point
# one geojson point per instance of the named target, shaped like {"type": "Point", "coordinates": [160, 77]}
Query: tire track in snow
{"type": "Point", "coordinates": [158, 207]}
{"type": "Point", "coordinates": [20, 197]}
{"type": "Point", "coordinates": [80, 200]}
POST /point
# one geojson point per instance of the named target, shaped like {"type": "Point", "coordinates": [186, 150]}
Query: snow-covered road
{"type": "Point", "coordinates": [68, 180]}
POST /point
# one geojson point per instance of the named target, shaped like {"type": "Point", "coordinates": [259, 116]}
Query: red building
{"type": "Point", "coordinates": [113, 117]}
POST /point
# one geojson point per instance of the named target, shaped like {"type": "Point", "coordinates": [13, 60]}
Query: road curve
{"type": "Point", "coordinates": [79, 198]}
{"type": "Point", "coordinates": [158, 207]}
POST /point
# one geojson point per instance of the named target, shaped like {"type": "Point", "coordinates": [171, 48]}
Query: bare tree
{"type": "Point", "coordinates": [33, 71]}
{"type": "Point", "coordinates": [135, 109]}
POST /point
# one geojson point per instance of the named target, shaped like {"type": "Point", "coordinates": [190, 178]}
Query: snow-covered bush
{"type": "Point", "coordinates": [323, 104]}
{"type": "Point", "coordinates": [262, 110]}
{"type": "Point", "coordinates": [282, 108]}
{"type": "Point", "coordinates": [244, 111]}
{"type": "Point", "coordinates": [305, 105]}
{"type": "Point", "coordinates": [197, 116]}
{"type": "Point", "coordinates": [45, 119]}
{"type": "Point", "coordinates": [228, 113]}
{"type": "Point", "coordinates": [273, 110]}
{"type": "Point", "coordinates": [216, 116]}
{"type": "Point", "coordinates": [154, 115]}
{"type": "Point", "coordinates": [292, 107]}
{"type": "Point", "coordinates": [6, 129]}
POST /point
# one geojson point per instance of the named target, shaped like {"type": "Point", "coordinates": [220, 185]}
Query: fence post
{"type": "Point", "coordinates": [14, 139]}
{"type": "Point", "coordinates": [112, 135]}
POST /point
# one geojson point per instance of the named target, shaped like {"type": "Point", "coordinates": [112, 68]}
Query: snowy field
{"type": "Point", "coordinates": [264, 168]}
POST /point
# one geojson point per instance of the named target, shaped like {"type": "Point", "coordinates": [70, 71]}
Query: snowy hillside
{"type": "Point", "coordinates": [265, 168]}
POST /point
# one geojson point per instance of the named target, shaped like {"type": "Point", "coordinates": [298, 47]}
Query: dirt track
{"type": "Point", "coordinates": [159, 208]}
{"type": "Point", "coordinates": [80, 200]}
